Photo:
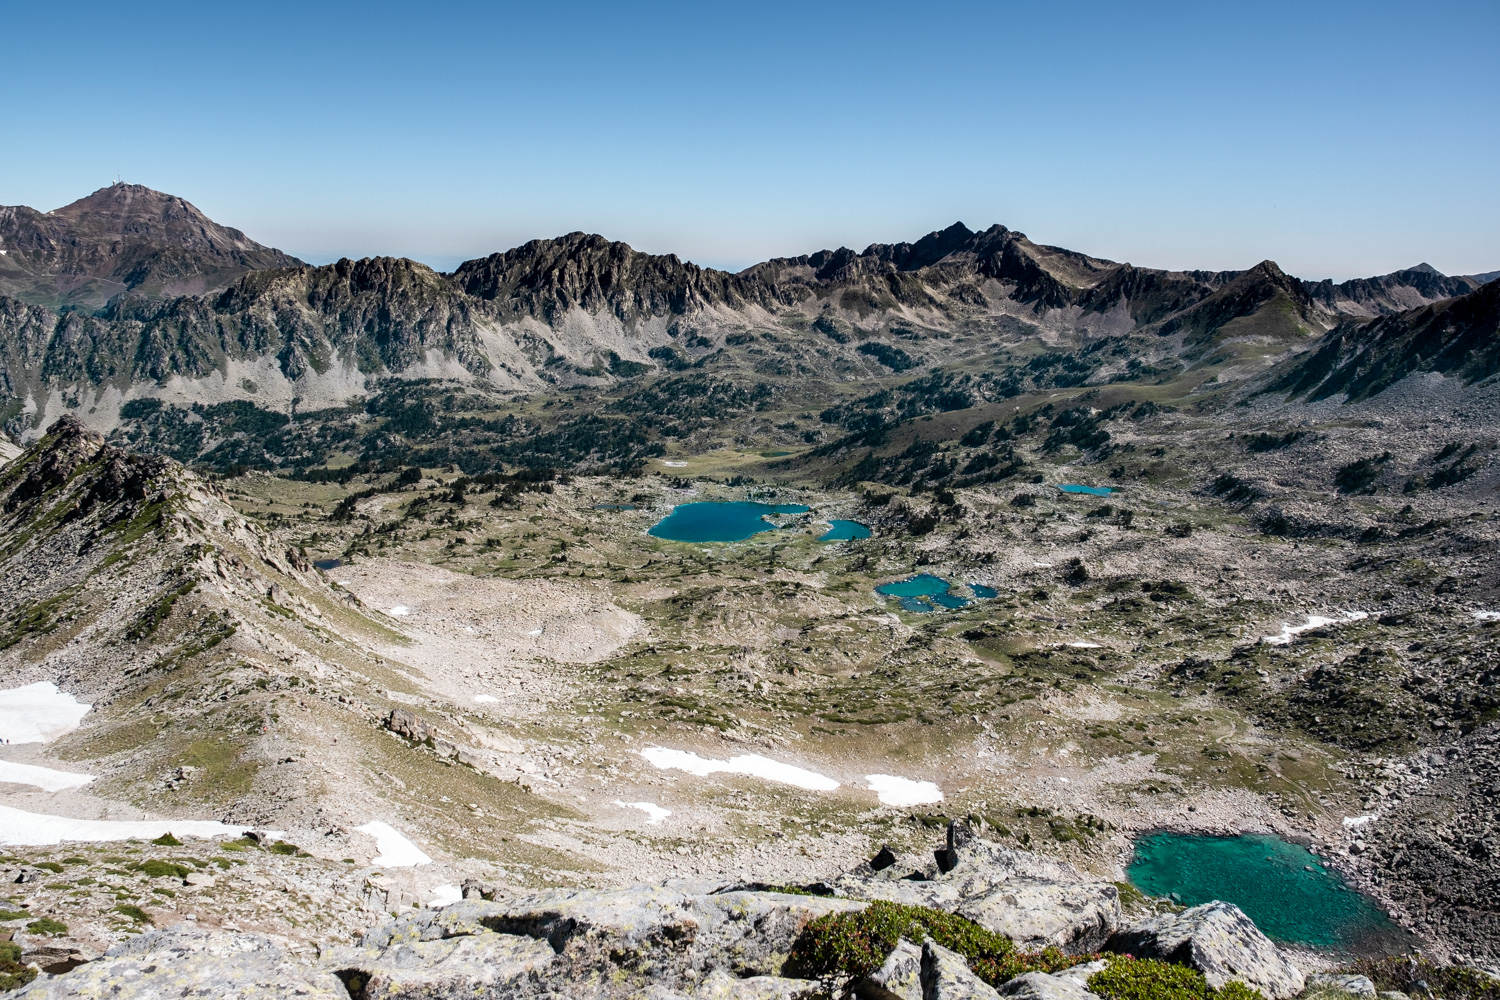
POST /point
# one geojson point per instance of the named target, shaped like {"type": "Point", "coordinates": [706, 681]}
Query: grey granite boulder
{"type": "Point", "coordinates": [589, 942]}
{"type": "Point", "coordinates": [478, 965]}
{"type": "Point", "coordinates": [946, 976]}
{"type": "Point", "coordinates": [899, 978]}
{"type": "Point", "coordinates": [1359, 986]}
{"type": "Point", "coordinates": [1041, 986]}
{"type": "Point", "coordinates": [1035, 901]}
{"type": "Point", "coordinates": [1219, 941]}
{"type": "Point", "coordinates": [1075, 917]}
{"type": "Point", "coordinates": [720, 985]}
{"type": "Point", "coordinates": [202, 965]}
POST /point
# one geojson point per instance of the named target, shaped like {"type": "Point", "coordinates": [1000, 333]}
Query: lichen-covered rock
{"type": "Point", "coordinates": [720, 985]}
{"type": "Point", "coordinates": [1359, 986]}
{"type": "Point", "coordinates": [1041, 986]}
{"type": "Point", "coordinates": [1077, 918]}
{"type": "Point", "coordinates": [946, 976]}
{"type": "Point", "coordinates": [596, 942]}
{"type": "Point", "coordinates": [478, 965]}
{"type": "Point", "coordinates": [1219, 941]}
{"type": "Point", "coordinates": [201, 965]}
{"type": "Point", "coordinates": [899, 978]}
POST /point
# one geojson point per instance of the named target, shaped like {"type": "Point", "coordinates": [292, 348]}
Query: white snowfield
{"type": "Point", "coordinates": [1355, 822]}
{"type": "Point", "coordinates": [1486, 616]}
{"type": "Point", "coordinates": [38, 713]}
{"type": "Point", "coordinates": [395, 850]}
{"type": "Point", "coordinates": [444, 895]}
{"type": "Point", "coordinates": [486, 699]}
{"type": "Point", "coordinates": [401, 611]}
{"type": "Point", "coordinates": [1313, 621]}
{"type": "Point", "coordinates": [892, 790]}
{"type": "Point", "coordinates": [19, 828]}
{"type": "Point", "coordinates": [45, 778]}
{"type": "Point", "coordinates": [654, 813]}
{"type": "Point", "coordinates": [752, 764]}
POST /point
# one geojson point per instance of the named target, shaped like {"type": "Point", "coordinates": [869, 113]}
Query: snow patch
{"type": "Point", "coordinates": [752, 764]}
{"type": "Point", "coordinates": [1042, 565]}
{"type": "Point", "coordinates": [897, 791]}
{"type": "Point", "coordinates": [1355, 822]}
{"type": "Point", "coordinates": [20, 828]}
{"type": "Point", "coordinates": [1486, 616]}
{"type": "Point", "coordinates": [444, 895]}
{"type": "Point", "coordinates": [674, 465]}
{"type": "Point", "coordinates": [400, 611]}
{"type": "Point", "coordinates": [1086, 645]}
{"type": "Point", "coordinates": [38, 713]}
{"type": "Point", "coordinates": [395, 850]}
{"type": "Point", "coordinates": [1313, 621]}
{"type": "Point", "coordinates": [486, 699]}
{"type": "Point", "coordinates": [44, 778]}
{"type": "Point", "coordinates": [654, 813]}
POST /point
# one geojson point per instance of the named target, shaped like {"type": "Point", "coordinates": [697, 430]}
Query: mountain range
{"type": "Point", "coordinates": [133, 295]}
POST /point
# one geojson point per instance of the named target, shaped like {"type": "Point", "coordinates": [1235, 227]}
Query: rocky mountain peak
{"type": "Point", "coordinates": [122, 238]}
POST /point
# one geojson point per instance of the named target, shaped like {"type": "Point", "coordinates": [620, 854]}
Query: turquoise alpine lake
{"type": "Point", "coordinates": [720, 521]}
{"type": "Point", "coordinates": [845, 530]}
{"type": "Point", "coordinates": [1097, 491]}
{"type": "Point", "coordinates": [925, 592]}
{"type": "Point", "coordinates": [1286, 889]}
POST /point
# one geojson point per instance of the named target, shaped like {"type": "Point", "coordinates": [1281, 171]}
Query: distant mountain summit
{"type": "Point", "coordinates": [122, 238]}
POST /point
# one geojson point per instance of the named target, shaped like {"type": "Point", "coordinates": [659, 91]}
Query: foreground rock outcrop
{"type": "Point", "coordinates": [1219, 941]}
{"type": "Point", "coordinates": [702, 942]}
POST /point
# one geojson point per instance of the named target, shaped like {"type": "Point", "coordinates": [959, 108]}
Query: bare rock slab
{"type": "Point", "coordinates": [1219, 941]}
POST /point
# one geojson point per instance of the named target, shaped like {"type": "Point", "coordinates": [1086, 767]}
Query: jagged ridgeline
{"type": "Point", "coordinates": [581, 352]}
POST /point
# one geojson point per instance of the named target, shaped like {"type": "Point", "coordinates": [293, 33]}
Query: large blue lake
{"type": "Point", "coordinates": [1285, 888]}
{"type": "Point", "coordinates": [720, 521]}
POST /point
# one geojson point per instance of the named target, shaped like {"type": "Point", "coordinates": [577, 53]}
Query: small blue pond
{"type": "Point", "coordinates": [1286, 889]}
{"type": "Point", "coordinates": [925, 592]}
{"type": "Point", "coordinates": [327, 564]}
{"type": "Point", "coordinates": [845, 530]}
{"type": "Point", "coordinates": [720, 521]}
{"type": "Point", "coordinates": [1097, 491]}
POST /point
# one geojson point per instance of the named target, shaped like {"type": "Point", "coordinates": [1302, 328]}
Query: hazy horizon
{"type": "Point", "coordinates": [1340, 141]}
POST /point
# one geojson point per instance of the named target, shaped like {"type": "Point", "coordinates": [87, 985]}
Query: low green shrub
{"type": "Point", "coordinates": [13, 975]}
{"type": "Point", "coordinates": [1449, 982]}
{"type": "Point", "coordinates": [46, 925]}
{"type": "Point", "coordinates": [167, 840]}
{"type": "Point", "coordinates": [157, 868]}
{"type": "Point", "coordinates": [1148, 979]}
{"type": "Point", "coordinates": [134, 912]}
{"type": "Point", "coordinates": [849, 945]}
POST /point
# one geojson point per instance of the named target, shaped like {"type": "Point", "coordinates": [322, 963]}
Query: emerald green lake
{"type": "Point", "coordinates": [1286, 889]}
{"type": "Point", "coordinates": [720, 521]}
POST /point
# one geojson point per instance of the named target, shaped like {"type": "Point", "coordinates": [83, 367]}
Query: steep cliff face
{"type": "Point", "coordinates": [121, 238]}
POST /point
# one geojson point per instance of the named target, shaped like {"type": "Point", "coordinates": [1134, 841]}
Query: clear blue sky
{"type": "Point", "coordinates": [1339, 139]}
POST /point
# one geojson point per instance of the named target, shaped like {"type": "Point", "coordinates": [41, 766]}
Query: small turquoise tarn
{"type": "Point", "coordinates": [925, 592]}
{"type": "Point", "coordinates": [845, 530]}
{"type": "Point", "coordinates": [1284, 888]}
{"type": "Point", "coordinates": [731, 521]}
{"type": "Point", "coordinates": [1096, 491]}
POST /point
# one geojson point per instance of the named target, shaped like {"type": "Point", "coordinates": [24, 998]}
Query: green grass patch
{"type": "Point", "coordinates": [134, 912]}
